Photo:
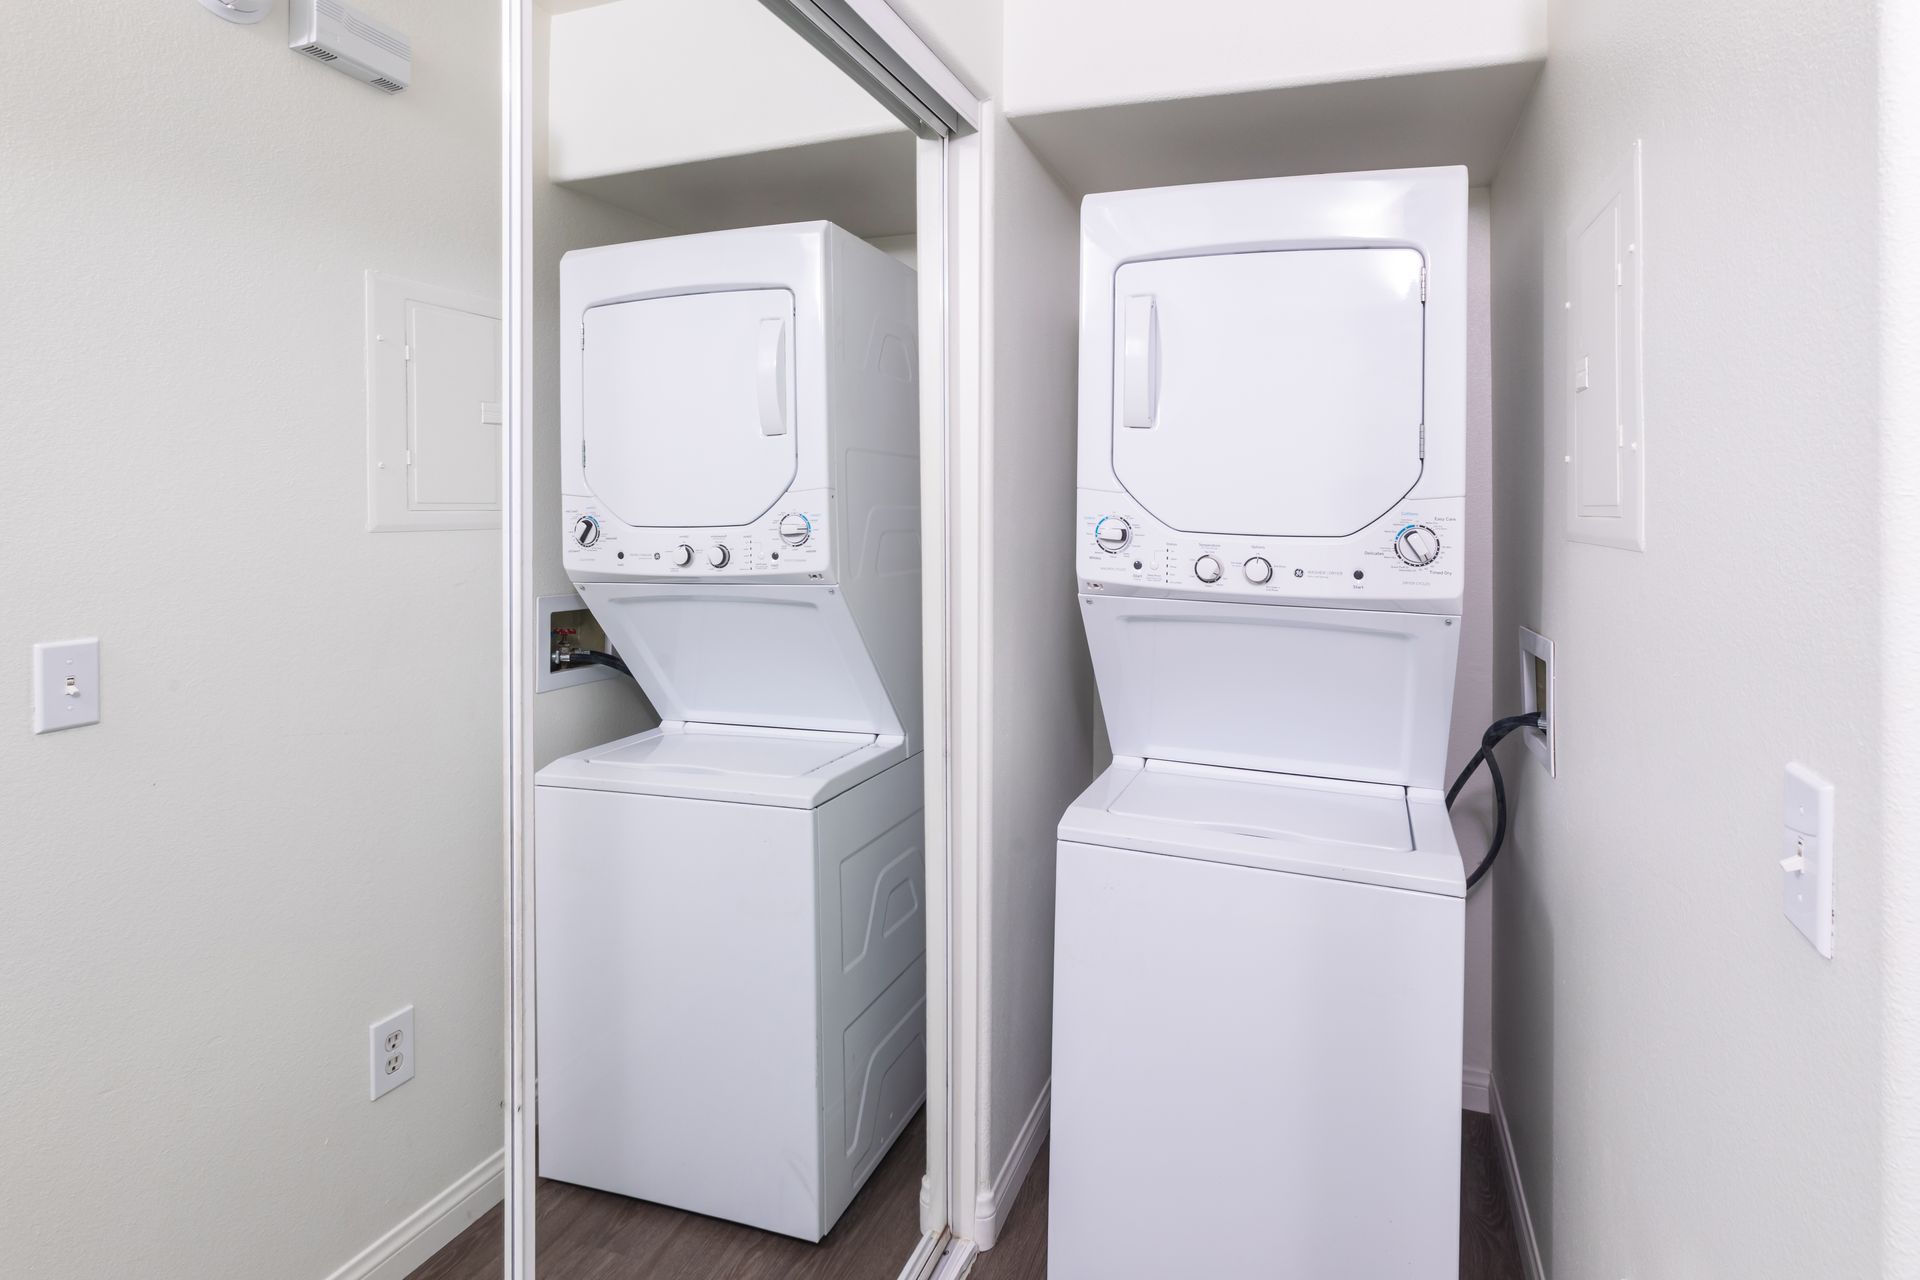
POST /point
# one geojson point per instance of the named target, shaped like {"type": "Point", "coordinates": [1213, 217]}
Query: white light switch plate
{"type": "Point", "coordinates": [1806, 856]}
{"type": "Point", "coordinates": [66, 685]}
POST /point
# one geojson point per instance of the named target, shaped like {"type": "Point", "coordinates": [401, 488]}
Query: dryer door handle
{"type": "Point", "coordinates": [771, 377]}
{"type": "Point", "coordinates": [1140, 362]}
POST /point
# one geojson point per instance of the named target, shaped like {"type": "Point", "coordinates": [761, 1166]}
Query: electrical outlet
{"type": "Point", "coordinates": [391, 1053]}
{"type": "Point", "coordinates": [1536, 694]}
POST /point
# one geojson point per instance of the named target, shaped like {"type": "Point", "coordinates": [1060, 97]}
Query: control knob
{"type": "Point", "coordinates": [683, 555]}
{"type": "Point", "coordinates": [718, 557]}
{"type": "Point", "coordinates": [1113, 533]}
{"type": "Point", "coordinates": [1417, 545]}
{"type": "Point", "coordinates": [586, 531]}
{"type": "Point", "coordinates": [795, 529]}
{"type": "Point", "coordinates": [1259, 571]}
{"type": "Point", "coordinates": [1207, 569]}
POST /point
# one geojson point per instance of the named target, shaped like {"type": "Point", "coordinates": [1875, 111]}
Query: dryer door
{"type": "Point", "coordinates": [688, 407]}
{"type": "Point", "coordinates": [1269, 394]}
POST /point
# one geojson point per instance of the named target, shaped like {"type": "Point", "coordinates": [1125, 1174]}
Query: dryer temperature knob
{"type": "Point", "coordinates": [683, 555]}
{"type": "Point", "coordinates": [719, 557]}
{"type": "Point", "coordinates": [1417, 545]}
{"type": "Point", "coordinates": [795, 529]}
{"type": "Point", "coordinates": [1207, 569]}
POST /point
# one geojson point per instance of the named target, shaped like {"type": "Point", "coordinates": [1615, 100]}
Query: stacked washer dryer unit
{"type": "Point", "coordinates": [1258, 972]}
{"type": "Point", "coordinates": [729, 908]}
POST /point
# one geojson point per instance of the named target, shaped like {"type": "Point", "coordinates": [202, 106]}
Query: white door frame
{"type": "Point", "coordinates": [877, 48]}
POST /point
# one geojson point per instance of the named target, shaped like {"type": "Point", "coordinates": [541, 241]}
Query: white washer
{"type": "Point", "coordinates": [1259, 958]}
{"type": "Point", "coordinates": [730, 908]}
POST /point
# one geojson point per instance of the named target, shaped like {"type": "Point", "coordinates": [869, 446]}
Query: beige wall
{"type": "Point", "coordinates": [1041, 682]}
{"type": "Point", "coordinates": [288, 823]}
{"type": "Point", "coordinates": [1692, 1090]}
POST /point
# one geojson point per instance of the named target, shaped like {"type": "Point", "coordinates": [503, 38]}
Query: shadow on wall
{"type": "Point", "coordinates": [1525, 927]}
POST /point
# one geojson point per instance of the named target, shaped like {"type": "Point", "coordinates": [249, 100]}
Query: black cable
{"type": "Point", "coordinates": [589, 658]}
{"type": "Point", "coordinates": [1488, 741]}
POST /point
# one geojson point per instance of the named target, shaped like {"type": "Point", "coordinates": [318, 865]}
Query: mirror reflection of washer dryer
{"type": "Point", "coordinates": [731, 940]}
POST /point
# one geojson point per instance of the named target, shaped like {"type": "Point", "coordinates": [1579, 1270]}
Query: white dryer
{"type": "Point", "coordinates": [730, 947]}
{"type": "Point", "coordinates": [1259, 956]}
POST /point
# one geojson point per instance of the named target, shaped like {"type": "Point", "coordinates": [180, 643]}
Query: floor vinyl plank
{"type": "Point", "coordinates": [591, 1235]}
{"type": "Point", "coordinates": [583, 1234]}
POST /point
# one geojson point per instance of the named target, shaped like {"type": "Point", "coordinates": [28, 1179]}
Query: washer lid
{"type": "Point", "coordinates": [787, 768]}
{"type": "Point", "coordinates": [687, 407]}
{"type": "Point", "coordinates": [1365, 833]}
{"type": "Point", "coordinates": [1270, 806]}
{"type": "Point", "coordinates": [1276, 394]}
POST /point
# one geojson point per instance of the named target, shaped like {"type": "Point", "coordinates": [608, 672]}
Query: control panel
{"type": "Point", "coordinates": [1409, 558]}
{"type": "Point", "coordinates": [787, 544]}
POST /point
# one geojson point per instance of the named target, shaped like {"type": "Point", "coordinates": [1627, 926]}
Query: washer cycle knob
{"type": "Point", "coordinates": [795, 529]}
{"type": "Point", "coordinates": [1113, 533]}
{"type": "Point", "coordinates": [586, 531]}
{"type": "Point", "coordinates": [1417, 545]}
{"type": "Point", "coordinates": [719, 557]}
{"type": "Point", "coordinates": [683, 555]}
{"type": "Point", "coordinates": [1207, 569]}
{"type": "Point", "coordinates": [1259, 571]}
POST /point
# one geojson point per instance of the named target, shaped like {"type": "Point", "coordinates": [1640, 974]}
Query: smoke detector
{"type": "Point", "coordinates": [347, 40]}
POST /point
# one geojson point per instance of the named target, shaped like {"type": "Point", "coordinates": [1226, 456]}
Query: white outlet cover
{"type": "Point", "coordinates": [66, 685]}
{"type": "Point", "coordinates": [390, 1053]}
{"type": "Point", "coordinates": [1806, 856]}
{"type": "Point", "coordinates": [1541, 743]}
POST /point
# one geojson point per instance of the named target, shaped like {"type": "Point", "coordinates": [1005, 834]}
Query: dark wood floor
{"type": "Point", "coordinates": [582, 1234]}
{"type": "Point", "coordinates": [590, 1235]}
{"type": "Point", "coordinates": [1489, 1243]}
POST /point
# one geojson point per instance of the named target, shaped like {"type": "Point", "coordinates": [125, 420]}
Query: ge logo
{"type": "Point", "coordinates": [1299, 573]}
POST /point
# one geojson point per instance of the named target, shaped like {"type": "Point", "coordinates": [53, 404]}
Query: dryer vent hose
{"type": "Point", "coordinates": [1488, 741]}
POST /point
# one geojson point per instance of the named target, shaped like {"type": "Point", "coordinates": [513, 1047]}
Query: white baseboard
{"type": "Point", "coordinates": [1476, 1083]}
{"type": "Point", "coordinates": [992, 1204]}
{"type": "Point", "coordinates": [1517, 1194]}
{"type": "Point", "coordinates": [432, 1226]}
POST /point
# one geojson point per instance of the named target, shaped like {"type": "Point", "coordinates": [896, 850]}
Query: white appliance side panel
{"type": "Point", "coordinates": [688, 403]}
{"type": "Point", "coordinates": [1331, 693]}
{"type": "Point", "coordinates": [874, 376]}
{"type": "Point", "coordinates": [1270, 394]}
{"type": "Point", "coordinates": [873, 987]}
{"type": "Point", "coordinates": [677, 1032]}
{"type": "Point", "coordinates": [785, 656]}
{"type": "Point", "coordinates": [1299, 1040]}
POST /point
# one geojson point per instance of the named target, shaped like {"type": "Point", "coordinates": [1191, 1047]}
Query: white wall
{"type": "Point", "coordinates": [644, 84]}
{"type": "Point", "coordinates": [965, 33]}
{"type": "Point", "coordinates": [1899, 623]}
{"type": "Point", "coordinates": [574, 717]}
{"type": "Point", "coordinates": [1061, 55]}
{"type": "Point", "coordinates": [1691, 1089]}
{"type": "Point", "coordinates": [287, 825]}
{"type": "Point", "coordinates": [1041, 681]}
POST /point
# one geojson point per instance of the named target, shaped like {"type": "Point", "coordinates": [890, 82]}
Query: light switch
{"type": "Point", "coordinates": [66, 685]}
{"type": "Point", "coordinates": [1806, 856]}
